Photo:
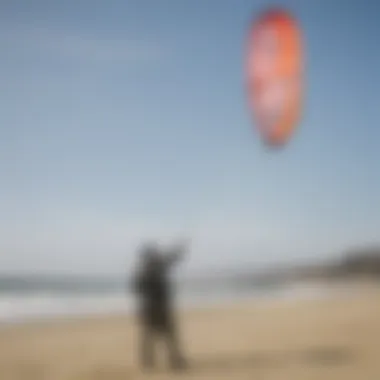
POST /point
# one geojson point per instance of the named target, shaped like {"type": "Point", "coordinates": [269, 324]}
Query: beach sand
{"type": "Point", "coordinates": [320, 339]}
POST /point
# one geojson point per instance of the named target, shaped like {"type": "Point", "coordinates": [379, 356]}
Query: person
{"type": "Point", "coordinates": [152, 286]}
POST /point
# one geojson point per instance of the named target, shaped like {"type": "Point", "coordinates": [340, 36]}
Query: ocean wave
{"type": "Point", "coordinates": [41, 305]}
{"type": "Point", "coordinates": [14, 308]}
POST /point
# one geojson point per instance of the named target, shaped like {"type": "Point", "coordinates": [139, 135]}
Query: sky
{"type": "Point", "coordinates": [127, 120]}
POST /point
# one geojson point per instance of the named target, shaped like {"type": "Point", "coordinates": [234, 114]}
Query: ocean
{"type": "Point", "coordinates": [25, 298]}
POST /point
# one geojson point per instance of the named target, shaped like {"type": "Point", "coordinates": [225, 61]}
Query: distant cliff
{"type": "Point", "coordinates": [352, 263]}
{"type": "Point", "coordinates": [361, 261]}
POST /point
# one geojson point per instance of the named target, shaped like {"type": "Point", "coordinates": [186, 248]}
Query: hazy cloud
{"type": "Point", "coordinates": [91, 241]}
{"type": "Point", "coordinates": [78, 47]}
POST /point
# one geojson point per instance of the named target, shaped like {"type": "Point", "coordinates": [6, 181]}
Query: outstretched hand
{"type": "Point", "coordinates": [178, 251]}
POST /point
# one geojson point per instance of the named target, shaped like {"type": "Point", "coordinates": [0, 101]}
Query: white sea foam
{"type": "Point", "coordinates": [22, 307]}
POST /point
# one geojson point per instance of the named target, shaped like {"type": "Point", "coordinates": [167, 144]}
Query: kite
{"type": "Point", "coordinates": [275, 75]}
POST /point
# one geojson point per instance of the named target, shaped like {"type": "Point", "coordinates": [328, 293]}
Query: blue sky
{"type": "Point", "coordinates": [125, 119]}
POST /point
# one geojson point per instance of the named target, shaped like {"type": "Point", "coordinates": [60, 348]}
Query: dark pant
{"type": "Point", "coordinates": [166, 333]}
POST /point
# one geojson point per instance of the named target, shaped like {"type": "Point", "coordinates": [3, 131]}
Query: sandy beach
{"type": "Point", "coordinates": [316, 339]}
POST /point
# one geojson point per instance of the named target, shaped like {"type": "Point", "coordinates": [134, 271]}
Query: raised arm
{"type": "Point", "coordinates": [177, 253]}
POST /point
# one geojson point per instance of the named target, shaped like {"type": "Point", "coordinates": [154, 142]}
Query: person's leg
{"type": "Point", "coordinates": [147, 347]}
{"type": "Point", "coordinates": [176, 356]}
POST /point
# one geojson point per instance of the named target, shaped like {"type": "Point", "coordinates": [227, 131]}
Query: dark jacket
{"type": "Point", "coordinates": [154, 291]}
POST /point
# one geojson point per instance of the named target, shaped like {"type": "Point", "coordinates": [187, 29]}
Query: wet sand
{"type": "Point", "coordinates": [319, 339]}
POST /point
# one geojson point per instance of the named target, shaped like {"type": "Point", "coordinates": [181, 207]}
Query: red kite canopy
{"type": "Point", "coordinates": [275, 75]}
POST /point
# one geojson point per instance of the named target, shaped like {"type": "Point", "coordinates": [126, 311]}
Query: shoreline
{"type": "Point", "coordinates": [321, 338]}
{"type": "Point", "coordinates": [302, 291]}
